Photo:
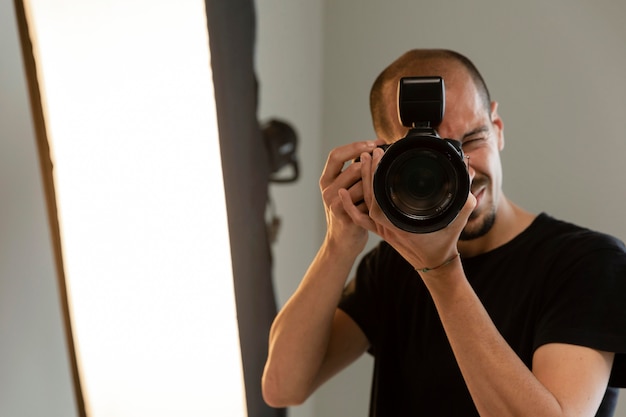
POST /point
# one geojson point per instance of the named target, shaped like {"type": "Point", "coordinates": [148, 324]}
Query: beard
{"type": "Point", "coordinates": [482, 228]}
{"type": "Point", "coordinates": [479, 224]}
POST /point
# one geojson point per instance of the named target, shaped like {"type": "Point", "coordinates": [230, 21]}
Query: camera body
{"type": "Point", "coordinates": [422, 181]}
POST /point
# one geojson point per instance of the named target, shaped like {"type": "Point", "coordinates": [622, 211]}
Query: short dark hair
{"type": "Point", "coordinates": [413, 57]}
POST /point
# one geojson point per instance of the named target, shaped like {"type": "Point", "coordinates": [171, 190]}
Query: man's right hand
{"type": "Point", "coordinates": [340, 226]}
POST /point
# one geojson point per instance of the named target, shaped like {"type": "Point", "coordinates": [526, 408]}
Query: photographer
{"type": "Point", "coordinates": [501, 313]}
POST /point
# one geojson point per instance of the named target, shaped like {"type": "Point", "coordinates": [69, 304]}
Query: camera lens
{"type": "Point", "coordinates": [422, 183]}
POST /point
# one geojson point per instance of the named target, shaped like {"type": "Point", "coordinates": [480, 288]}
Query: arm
{"type": "Point", "coordinates": [310, 340]}
{"type": "Point", "coordinates": [565, 380]}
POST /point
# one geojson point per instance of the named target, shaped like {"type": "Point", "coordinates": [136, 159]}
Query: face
{"type": "Point", "coordinates": [480, 131]}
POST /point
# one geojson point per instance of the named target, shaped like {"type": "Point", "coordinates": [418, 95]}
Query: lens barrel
{"type": "Point", "coordinates": [422, 182]}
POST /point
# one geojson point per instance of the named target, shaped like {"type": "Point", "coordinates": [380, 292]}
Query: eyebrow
{"type": "Point", "coordinates": [481, 129]}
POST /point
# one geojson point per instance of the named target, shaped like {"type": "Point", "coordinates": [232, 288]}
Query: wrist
{"type": "Point", "coordinates": [442, 265]}
{"type": "Point", "coordinates": [341, 249]}
{"type": "Point", "coordinates": [445, 274]}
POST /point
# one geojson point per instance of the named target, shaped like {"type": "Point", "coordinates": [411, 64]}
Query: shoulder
{"type": "Point", "coordinates": [549, 245]}
{"type": "Point", "coordinates": [562, 237]}
{"type": "Point", "coordinates": [583, 282]}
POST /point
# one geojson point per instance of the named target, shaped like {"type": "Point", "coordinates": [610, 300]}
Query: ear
{"type": "Point", "coordinates": [497, 124]}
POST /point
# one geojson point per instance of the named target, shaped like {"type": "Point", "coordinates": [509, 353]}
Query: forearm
{"type": "Point", "coordinates": [499, 382]}
{"type": "Point", "coordinates": [300, 334]}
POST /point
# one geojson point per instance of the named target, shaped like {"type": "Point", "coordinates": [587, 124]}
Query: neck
{"type": "Point", "coordinates": [510, 221]}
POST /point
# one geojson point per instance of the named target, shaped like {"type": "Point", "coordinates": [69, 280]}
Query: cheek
{"type": "Point", "coordinates": [485, 162]}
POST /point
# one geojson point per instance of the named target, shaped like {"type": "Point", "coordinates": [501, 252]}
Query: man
{"type": "Point", "coordinates": [502, 313]}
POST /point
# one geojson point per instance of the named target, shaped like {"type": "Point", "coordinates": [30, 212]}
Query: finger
{"type": "Point", "coordinates": [469, 206]}
{"type": "Point", "coordinates": [461, 219]}
{"type": "Point", "coordinates": [368, 169]}
{"type": "Point", "coordinates": [339, 156]}
{"type": "Point", "coordinates": [356, 192]}
{"type": "Point", "coordinates": [358, 214]}
{"type": "Point", "coordinates": [366, 178]}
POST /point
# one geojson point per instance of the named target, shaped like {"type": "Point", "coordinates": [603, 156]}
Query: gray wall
{"type": "Point", "coordinates": [289, 67]}
{"type": "Point", "coordinates": [35, 375]}
{"type": "Point", "coordinates": [557, 68]}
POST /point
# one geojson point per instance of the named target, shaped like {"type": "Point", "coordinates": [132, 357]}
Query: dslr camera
{"type": "Point", "coordinates": [422, 181]}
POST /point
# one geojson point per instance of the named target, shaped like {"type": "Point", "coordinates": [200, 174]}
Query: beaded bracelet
{"type": "Point", "coordinates": [439, 266]}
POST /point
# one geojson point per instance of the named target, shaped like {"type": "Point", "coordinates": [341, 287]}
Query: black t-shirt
{"type": "Point", "coordinates": [555, 282]}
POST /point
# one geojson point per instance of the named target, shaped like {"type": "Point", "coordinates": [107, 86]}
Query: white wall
{"type": "Point", "coordinates": [555, 67]}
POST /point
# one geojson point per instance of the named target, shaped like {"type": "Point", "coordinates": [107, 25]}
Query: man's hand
{"type": "Point", "coordinates": [421, 250]}
{"type": "Point", "coordinates": [335, 180]}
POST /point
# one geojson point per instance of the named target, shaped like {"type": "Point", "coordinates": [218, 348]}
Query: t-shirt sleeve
{"type": "Point", "coordinates": [585, 302]}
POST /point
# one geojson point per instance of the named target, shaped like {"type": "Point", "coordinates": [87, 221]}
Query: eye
{"type": "Point", "coordinates": [476, 138]}
{"type": "Point", "coordinates": [473, 142]}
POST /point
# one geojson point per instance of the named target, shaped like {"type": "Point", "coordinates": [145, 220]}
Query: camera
{"type": "Point", "coordinates": [422, 181]}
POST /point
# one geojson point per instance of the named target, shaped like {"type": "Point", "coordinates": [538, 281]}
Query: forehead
{"type": "Point", "coordinates": [464, 109]}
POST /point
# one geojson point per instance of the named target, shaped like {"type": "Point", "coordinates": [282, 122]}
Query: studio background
{"type": "Point", "coordinates": [556, 68]}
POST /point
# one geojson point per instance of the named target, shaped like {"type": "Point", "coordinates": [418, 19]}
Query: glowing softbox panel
{"type": "Point", "coordinates": [130, 115]}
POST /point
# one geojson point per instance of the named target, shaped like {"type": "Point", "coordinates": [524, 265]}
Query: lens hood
{"type": "Point", "coordinates": [422, 182]}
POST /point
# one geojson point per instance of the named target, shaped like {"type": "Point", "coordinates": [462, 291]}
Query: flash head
{"type": "Point", "coordinates": [421, 100]}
